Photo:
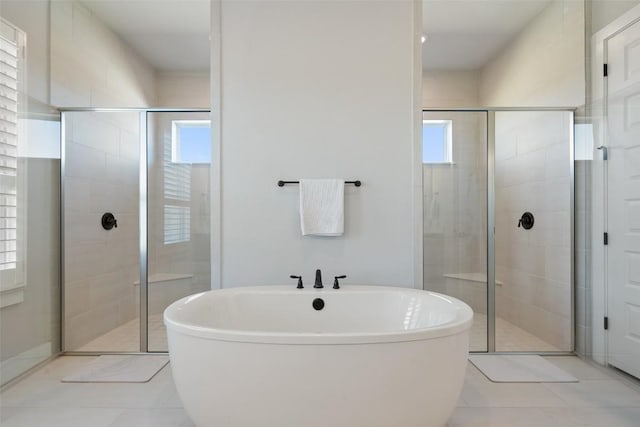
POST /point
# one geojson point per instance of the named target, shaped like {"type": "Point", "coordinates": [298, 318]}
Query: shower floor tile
{"type": "Point", "coordinates": [509, 337]}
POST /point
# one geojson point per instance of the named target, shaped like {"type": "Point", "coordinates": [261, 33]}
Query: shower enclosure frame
{"type": "Point", "coordinates": [491, 220]}
{"type": "Point", "coordinates": [143, 221]}
{"type": "Point", "coordinates": [490, 230]}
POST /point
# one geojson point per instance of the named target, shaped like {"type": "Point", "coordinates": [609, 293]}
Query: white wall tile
{"type": "Point", "coordinates": [91, 66]}
{"type": "Point", "coordinates": [520, 75]}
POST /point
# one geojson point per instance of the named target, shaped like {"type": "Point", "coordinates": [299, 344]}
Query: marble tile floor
{"type": "Point", "coordinates": [601, 398]}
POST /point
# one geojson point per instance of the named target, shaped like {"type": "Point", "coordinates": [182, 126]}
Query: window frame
{"type": "Point", "coordinates": [448, 142]}
{"type": "Point", "coordinates": [176, 125]}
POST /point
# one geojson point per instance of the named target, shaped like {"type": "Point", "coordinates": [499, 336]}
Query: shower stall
{"type": "Point", "coordinates": [498, 222]}
{"type": "Point", "coordinates": [135, 223]}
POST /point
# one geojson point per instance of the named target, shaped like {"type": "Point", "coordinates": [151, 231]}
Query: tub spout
{"type": "Point", "coordinates": [318, 283]}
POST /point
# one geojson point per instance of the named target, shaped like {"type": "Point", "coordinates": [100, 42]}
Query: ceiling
{"type": "Point", "coordinates": [173, 35]}
{"type": "Point", "coordinates": [466, 34]}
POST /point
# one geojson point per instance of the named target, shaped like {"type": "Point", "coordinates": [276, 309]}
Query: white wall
{"type": "Point", "coordinates": [183, 90]}
{"type": "Point", "coordinates": [450, 89]}
{"type": "Point", "coordinates": [316, 89]}
{"type": "Point", "coordinates": [29, 330]}
{"type": "Point", "coordinates": [604, 12]}
{"type": "Point", "coordinates": [544, 66]}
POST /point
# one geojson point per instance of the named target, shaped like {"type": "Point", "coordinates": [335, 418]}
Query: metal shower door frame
{"type": "Point", "coordinates": [143, 220]}
{"type": "Point", "coordinates": [491, 219]}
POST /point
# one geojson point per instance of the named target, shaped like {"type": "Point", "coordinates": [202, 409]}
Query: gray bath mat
{"type": "Point", "coordinates": [119, 369]}
{"type": "Point", "coordinates": [520, 369]}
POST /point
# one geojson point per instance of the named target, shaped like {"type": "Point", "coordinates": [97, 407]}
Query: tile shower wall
{"type": "Point", "coordinates": [532, 174]}
{"type": "Point", "coordinates": [521, 76]}
{"type": "Point", "coordinates": [91, 66]}
{"type": "Point", "coordinates": [101, 175]}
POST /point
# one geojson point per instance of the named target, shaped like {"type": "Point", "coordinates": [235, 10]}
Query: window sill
{"type": "Point", "coordinates": [439, 164]}
{"type": "Point", "coordinates": [11, 295]}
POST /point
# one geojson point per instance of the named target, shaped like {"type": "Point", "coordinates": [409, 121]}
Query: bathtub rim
{"type": "Point", "coordinates": [461, 324]}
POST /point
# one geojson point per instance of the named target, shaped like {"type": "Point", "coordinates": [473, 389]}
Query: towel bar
{"type": "Point", "coordinates": [357, 183]}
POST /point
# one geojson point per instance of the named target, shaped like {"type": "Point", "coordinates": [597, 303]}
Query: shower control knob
{"type": "Point", "coordinates": [109, 221]}
{"type": "Point", "coordinates": [526, 221]}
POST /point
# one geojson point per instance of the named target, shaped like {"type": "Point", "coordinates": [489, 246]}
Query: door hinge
{"type": "Point", "coordinates": [606, 323]}
{"type": "Point", "coordinates": [605, 70]}
{"type": "Point", "coordinates": [605, 238]}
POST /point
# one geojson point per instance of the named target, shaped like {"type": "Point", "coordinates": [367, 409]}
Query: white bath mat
{"type": "Point", "coordinates": [520, 369]}
{"type": "Point", "coordinates": [119, 369]}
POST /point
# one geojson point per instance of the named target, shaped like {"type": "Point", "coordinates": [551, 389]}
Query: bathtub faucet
{"type": "Point", "coordinates": [299, 281]}
{"type": "Point", "coordinates": [318, 283]}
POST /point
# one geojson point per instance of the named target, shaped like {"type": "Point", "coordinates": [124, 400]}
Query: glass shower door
{"type": "Point", "coordinates": [179, 171]}
{"type": "Point", "coordinates": [533, 230]}
{"type": "Point", "coordinates": [101, 233]}
{"type": "Point", "coordinates": [454, 166]}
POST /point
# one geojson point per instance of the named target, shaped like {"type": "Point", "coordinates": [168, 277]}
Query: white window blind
{"type": "Point", "coordinates": [177, 197]}
{"type": "Point", "coordinates": [12, 133]}
{"type": "Point", "coordinates": [177, 224]}
{"type": "Point", "coordinates": [9, 56]}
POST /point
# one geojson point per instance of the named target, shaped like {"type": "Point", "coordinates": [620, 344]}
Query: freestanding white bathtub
{"type": "Point", "coordinates": [267, 357]}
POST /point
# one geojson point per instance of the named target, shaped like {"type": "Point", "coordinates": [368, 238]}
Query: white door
{"type": "Point", "coordinates": [623, 211]}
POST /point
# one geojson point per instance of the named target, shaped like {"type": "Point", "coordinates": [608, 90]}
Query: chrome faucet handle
{"type": "Point", "coordinates": [336, 285]}
{"type": "Point", "coordinates": [299, 281]}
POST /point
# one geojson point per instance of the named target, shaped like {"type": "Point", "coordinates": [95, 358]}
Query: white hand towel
{"type": "Point", "coordinates": [322, 207]}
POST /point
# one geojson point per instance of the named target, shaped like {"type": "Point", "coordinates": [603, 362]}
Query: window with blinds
{"type": "Point", "coordinates": [177, 224]}
{"type": "Point", "coordinates": [11, 86]}
{"type": "Point", "coordinates": [177, 197]}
